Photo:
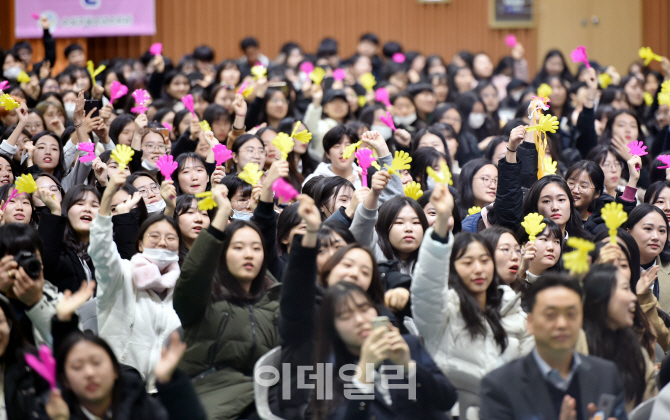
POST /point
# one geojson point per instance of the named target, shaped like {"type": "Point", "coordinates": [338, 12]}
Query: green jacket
{"type": "Point", "coordinates": [224, 339]}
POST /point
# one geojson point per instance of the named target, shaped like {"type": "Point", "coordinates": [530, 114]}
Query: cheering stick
{"type": "Point", "coordinates": [365, 159]}
{"type": "Point", "coordinates": [637, 148]}
{"type": "Point", "coordinates": [349, 150]}
{"type": "Point", "coordinates": [382, 95]}
{"type": "Point", "coordinates": [244, 90]}
{"type": "Point", "coordinates": [400, 162]}
{"type": "Point", "coordinates": [368, 81]}
{"type": "Point", "coordinates": [89, 148]}
{"type": "Point", "coordinates": [8, 102]}
{"type": "Point", "coordinates": [388, 120]}
{"type": "Point", "coordinates": [398, 57]}
{"type": "Point", "coordinates": [23, 184]}
{"type": "Point", "coordinates": [45, 365]}
{"type": "Point", "coordinates": [117, 91]}
{"type": "Point", "coordinates": [4, 84]}
{"type": "Point", "coordinates": [577, 261]}
{"type": "Point", "coordinates": [141, 96]}
{"type": "Point", "coordinates": [122, 155]}
{"type": "Point", "coordinates": [306, 67]}
{"type": "Point", "coordinates": [205, 126]}
{"type": "Point", "coordinates": [614, 216]}
{"type": "Point", "coordinates": [442, 177]}
{"type": "Point", "coordinates": [23, 77]}
{"type": "Point", "coordinates": [284, 143]}
{"type": "Point", "coordinates": [533, 225]}
{"type": "Point", "coordinates": [339, 74]}
{"type": "Point", "coordinates": [317, 75]}
{"type": "Point", "coordinates": [93, 71]}
{"type": "Point", "coordinates": [665, 159]}
{"type": "Point", "coordinates": [205, 201]}
{"type": "Point", "coordinates": [167, 165]}
{"type": "Point", "coordinates": [221, 154]}
{"type": "Point", "coordinates": [304, 136]}
{"type": "Point", "coordinates": [258, 71]}
{"type": "Point", "coordinates": [648, 56]}
{"type": "Point", "coordinates": [251, 174]}
{"type": "Point", "coordinates": [413, 190]}
{"type": "Point", "coordinates": [156, 49]}
{"type": "Point", "coordinates": [188, 103]}
{"type": "Point", "coordinates": [283, 190]}
{"type": "Point", "coordinates": [510, 40]}
{"type": "Point", "coordinates": [578, 55]}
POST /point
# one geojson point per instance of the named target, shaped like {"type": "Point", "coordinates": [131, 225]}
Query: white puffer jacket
{"type": "Point", "coordinates": [436, 312]}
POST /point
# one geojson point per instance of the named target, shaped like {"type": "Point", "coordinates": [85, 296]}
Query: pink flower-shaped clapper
{"type": "Point", "coordinates": [141, 96]}
{"type": "Point", "coordinates": [307, 67]}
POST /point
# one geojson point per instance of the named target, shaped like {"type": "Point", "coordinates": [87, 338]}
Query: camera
{"type": "Point", "coordinates": [30, 263]}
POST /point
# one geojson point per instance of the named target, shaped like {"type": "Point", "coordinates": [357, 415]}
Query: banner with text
{"type": "Point", "coordinates": [86, 18]}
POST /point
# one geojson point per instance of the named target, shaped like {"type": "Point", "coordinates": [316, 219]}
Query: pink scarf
{"type": "Point", "coordinates": [147, 276]}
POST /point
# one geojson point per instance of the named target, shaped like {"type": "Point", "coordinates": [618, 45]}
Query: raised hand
{"type": "Point", "coordinates": [72, 301]}
{"type": "Point", "coordinates": [170, 358]}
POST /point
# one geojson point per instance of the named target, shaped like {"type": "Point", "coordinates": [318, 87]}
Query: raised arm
{"type": "Point", "coordinates": [9, 146]}
{"type": "Point", "coordinates": [363, 224]}
{"type": "Point", "coordinates": [194, 287]}
{"type": "Point", "coordinates": [376, 141]}
{"type": "Point", "coordinates": [509, 197]}
{"type": "Point", "coordinates": [588, 139]}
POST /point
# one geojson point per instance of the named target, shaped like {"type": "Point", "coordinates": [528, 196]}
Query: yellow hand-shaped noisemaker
{"type": "Point", "coordinates": [413, 190]}
{"type": "Point", "coordinates": [284, 143]}
{"type": "Point", "coordinates": [205, 200]}
{"type": "Point", "coordinates": [544, 90]}
{"type": "Point", "coordinates": [258, 72]}
{"type": "Point", "coordinates": [443, 177]}
{"type": "Point", "coordinates": [368, 81]}
{"type": "Point", "coordinates": [251, 174]}
{"type": "Point", "coordinates": [349, 150]}
{"type": "Point", "coordinates": [648, 55]}
{"type": "Point", "coordinates": [93, 71]}
{"type": "Point", "coordinates": [604, 80]}
{"type": "Point", "coordinates": [614, 216]}
{"type": "Point", "coordinates": [533, 225]}
{"type": "Point", "coordinates": [474, 210]}
{"type": "Point", "coordinates": [550, 166]}
{"type": "Point", "coordinates": [23, 77]}
{"type": "Point", "coordinates": [8, 102]}
{"type": "Point", "coordinates": [317, 75]}
{"type": "Point", "coordinates": [400, 162]}
{"type": "Point", "coordinates": [122, 155]}
{"type": "Point", "coordinates": [303, 136]}
{"type": "Point", "coordinates": [205, 126]}
{"type": "Point", "coordinates": [547, 123]}
{"type": "Point", "coordinates": [577, 261]}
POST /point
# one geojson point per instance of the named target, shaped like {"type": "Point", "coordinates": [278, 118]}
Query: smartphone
{"type": "Point", "coordinates": [165, 133]}
{"type": "Point", "coordinates": [605, 406]}
{"type": "Point", "coordinates": [380, 321]}
{"type": "Point", "coordinates": [89, 105]}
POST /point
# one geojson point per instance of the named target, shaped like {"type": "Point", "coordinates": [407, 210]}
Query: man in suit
{"type": "Point", "coordinates": [553, 382]}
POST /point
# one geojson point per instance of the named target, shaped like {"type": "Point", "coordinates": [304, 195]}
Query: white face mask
{"type": "Point", "coordinates": [516, 95]}
{"type": "Point", "coordinates": [156, 207]}
{"type": "Point", "coordinates": [69, 109]}
{"type": "Point", "coordinates": [385, 131]}
{"type": "Point", "coordinates": [161, 257]}
{"type": "Point", "coordinates": [406, 121]}
{"type": "Point", "coordinates": [431, 183]}
{"type": "Point", "coordinates": [12, 73]}
{"type": "Point", "coordinates": [242, 215]}
{"type": "Point", "coordinates": [476, 120]}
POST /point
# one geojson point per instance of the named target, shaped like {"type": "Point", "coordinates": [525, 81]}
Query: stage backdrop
{"type": "Point", "coordinates": [86, 18]}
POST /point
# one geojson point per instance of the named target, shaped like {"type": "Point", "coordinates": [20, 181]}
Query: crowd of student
{"type": "Point", "coordinates": [129, 258]}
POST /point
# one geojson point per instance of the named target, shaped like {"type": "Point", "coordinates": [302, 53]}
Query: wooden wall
{"type": "Point", "coordinates": [431, 28]}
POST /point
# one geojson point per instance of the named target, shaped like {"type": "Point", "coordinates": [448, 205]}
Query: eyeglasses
{"type": "Point", "coordinates": [155, 238]}
{"type": "Point", "coordinates": [489, 181]}
{"type": "Point", "coordinates": [242, 203]}
{"type": "Point", "coordinates": [506, 249]}
{"type": "Point", "coordinates": [35, 127]}
{"type": "Point", "coordinates": [151, 187]}
{"type": "Point", "coordinates": [279, 101]}
{"type": "Point", "coordinates": [612, 165]}
{"type": "Point", "coordinates": [153, 147]}
{"type": "Point", "coordinates": [583, 187]}
{"type": "Point", "coordinates": [253, 151]}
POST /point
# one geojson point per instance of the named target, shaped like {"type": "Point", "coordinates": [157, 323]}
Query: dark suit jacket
{"type": "Point", "coordinates": [434, 394]}
{"type": "Point", "coordinates": [517, 391]}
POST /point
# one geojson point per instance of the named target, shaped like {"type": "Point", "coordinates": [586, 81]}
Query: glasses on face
{"type": "Point", "coordinates": [255, 151]}
{"type": "Point", "coordinates": [581, 187]}
{"type": "Point", "coordinates": [34, 127]}
{"type": "Point", "coordinates": [507, 250]}
{"type": "Point", "coordinates": [154, 188]}
{"type": "Point", "coordinates": [154, 238]}
{"type": "Point", "coordinates": [488, 182]}
{"type": "Point", "coordinates": [152, 147]}
{"type": "Point", "coordinates": [278, 101]}
{"type": "Point", "coordinates": [242, 203]}
{"type": "Point", "coordinates": [612, 165]}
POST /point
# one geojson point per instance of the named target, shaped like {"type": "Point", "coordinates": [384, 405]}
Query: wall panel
{"type": "Point", "coordinates": [655, 28]}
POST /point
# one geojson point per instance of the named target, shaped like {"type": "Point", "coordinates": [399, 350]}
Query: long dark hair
{"type": "Point", "coordinates": [423, 158]}
{"type": "Point", "coordinates": [287, 220]}
{"type": "Point", "coordinates": [595, 174]}
{"type": "Point", "coordinates": [17, 345]}
{"type": "Point", "coordinates": [184, 203]}
{"type": "Point", "coordinates": [388, 212]}
{"type": "Point", "coordinates": [542, 75]}
{"type": "Point", "coordinates": [465, 190]}
{"type": "Point", "coordinates": [654, 190]}
{"type": "Point", "coordinates": [71, 238]}
{"type": "Point", "coordinates": [472, 313]}
{"type": "Point", "coordinates": [308, 164]}
{"type": "Point", "coordinates": [606, 137]}
{"type": "Point", "coordinates": [327, 190]}
{"type": "Point", "coordinates": [60, 170]}
{"type": "Point", "coordinates": [376, 290]}
{"type": "Point", "coordinates": [181, 160]}
{"type": "Point", "coordinates": [620, 346]}
{"type": "Point", "coordinates": [62, 351]}
{"type": "Point", "coordinates": [637, 214]}
{"type": "Point", "coordinates": [155, 218]}
{"type": "Point", "coordinates": [574, 225]}
{"type": "Point", "coordinates": [225, 286]}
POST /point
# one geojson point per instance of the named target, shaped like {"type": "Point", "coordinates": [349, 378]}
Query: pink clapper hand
{"type": "Point", "coordinates": [382, 95]}
{"type": "Point", "coordinates": [117, 91]}
{"type": "Point", "coordinates": [665, 159]}
{"type": "Point", "coordinates": [578, 55]}
{"type": "Point", "coordinates": [388, 120]}
{"type": "Point", "coordinates": [4, 84]}
{"type": "Point", "coordinates": [167, 166]}
{"type": "Point", "coordinates": [365, 159]}
{"type": "Point", "coordinates": [221, 154]}
{"type": "Point", "coordinates": [398, 57]}
{"type": "Point", "coordinates": [89, 148]}
{"type": "Point", "coordinates": [188, 103]}
{"type": "Point", "coordinates": [283, 190]}
{"type": "Point", "coordinates": [339, 74]}
{"type": "Point", "coordinates": [156, 49]}
{"type": "Point", "coordinates": [141, 97]}
{"type": "Point", "coordinates": [637, 148]}
{"type": "Point", "coordinates": [307, 67]}
{"type": "Point", "coordinates": [45, 365]}
{"type": "Point", "coordinates": [510, 40]}
{"type": "Point", "coordinates": [244, 85]}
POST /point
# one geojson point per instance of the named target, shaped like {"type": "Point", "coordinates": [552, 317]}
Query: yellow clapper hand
{"type": "Point", "coordinates": [93, 71]}
{"type": "Point", "coordinates": [368, 81]}
{"type": "Point", "coordinates": [205, 126]}
{"type": "Point", "coordinates": [23, 77]}
{"type": "Point", "coordinates": [317, 75]}
{"type": "Point", "coordinates": [547, 123]}
{"type": "Point", "coordinates": [413, 190]}
{"type": "Point", "coordinates": [122, 155]}
{"type": "Point", "coordinates": [349, 150]}
{"type": "Point", "coordinates": [663, 98]}
{"type": "Point", "coordinates": [8, 102]}
{"type": "Point", "coordinates": [550, 166]}
{"type": "Point", "coordinates": [26, 184]}
{"type": "Point", "coordinates": [533, 225]}
{"type": "Point", "coordinates": [251, 174]}
{"type": "Point", "coordinates": [577, 261]}
{"type": "Point", "coordinates": [284, 143]}
{"type": "Point", "coordinates": [474, 210]}
{"type": "Point", "coordinates": [258, 72]}
{"type": "Point", "coordinates": [544, 90]}
{"type": "Point", "coordinates": [604, 80]}
{"type": "Point", "coordinates": [442, 177]}
{"type": "Point", "coordinates": [400, 162]}
{"type": "Point", "coordinates": [648, 98]}
{"type": "Point", "coordinates": [648, 55]}
{"type": "Point", "coordinates": [205, 201]}
{"type": "Point", "coordinates": [614, 216]}
{"type": "Point", "coordinates": [303, 136]}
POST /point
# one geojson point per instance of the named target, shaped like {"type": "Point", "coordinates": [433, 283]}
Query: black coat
{"type": "Point", "coordinates": [22, 386]}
